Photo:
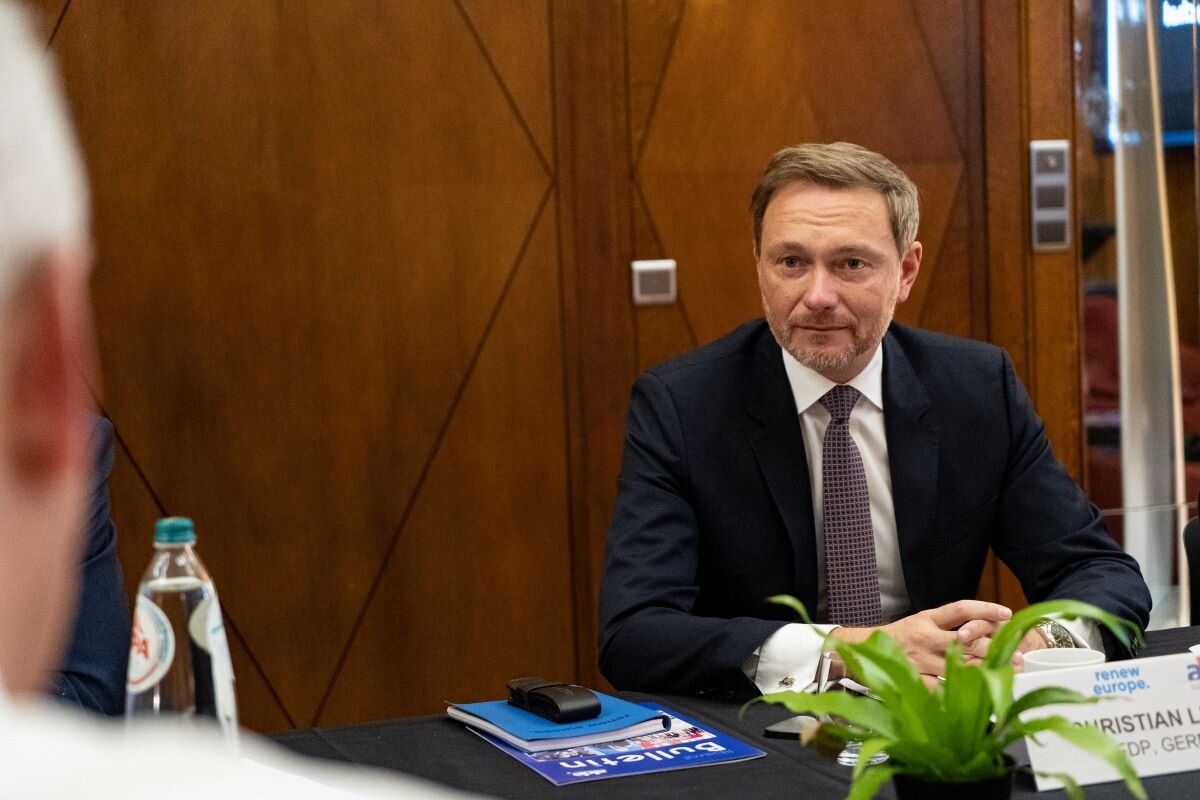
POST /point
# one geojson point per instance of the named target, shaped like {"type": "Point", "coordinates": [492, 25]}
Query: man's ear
{"type": "Point", "coordinates": [910, 265]}
{"type": "Point", "coordinates": [46, 401]}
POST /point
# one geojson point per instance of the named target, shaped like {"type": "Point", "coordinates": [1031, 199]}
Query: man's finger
{"type": "Point", "coordinates": [960, 612]}
{"type": "Point", "coordinates": [972, 630]}
{"type": "Point", "coordinates": [976, 649]}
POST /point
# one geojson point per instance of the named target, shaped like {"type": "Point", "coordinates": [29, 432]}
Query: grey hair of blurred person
{"type": "Point", "coordinates": [43, 191]}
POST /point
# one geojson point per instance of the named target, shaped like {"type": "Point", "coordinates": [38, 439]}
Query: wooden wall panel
{"type": "Point", "coordinates": [364, 300]}
{"type": "Point", "coordinates": [306, 220]}
{"type": "Point", "coordinates": [46, 14]}
{"type": "Point", "coordinates": [514, 37]}
{"type": "Point", "coordinates": [722, 109]}
{"type": "Point", "coordinates": [1035, 299]}
{"type": "Point", "coordinates": [478, 590]}
{"type": "Point", "coordinates": [1007, 143]}
{"type": "Point", "coordinates": [594, 248]}
{"type": "Point", "coordinates": [1056, 381]}
{"type": "Point", "coordinates": [650, 30]}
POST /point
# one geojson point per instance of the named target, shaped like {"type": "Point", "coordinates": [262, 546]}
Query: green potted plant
{"type": "Point", "coordinates": [955, 734]}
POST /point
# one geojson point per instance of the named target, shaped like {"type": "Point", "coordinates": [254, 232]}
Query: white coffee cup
{"type": "Point", "coordinates": [1061, 658]}
{"type": "Point", "coordinates": [1195, 649]}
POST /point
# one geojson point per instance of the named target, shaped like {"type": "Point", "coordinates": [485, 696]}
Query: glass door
{"type": "Point", "coordinates": [1136, 78]}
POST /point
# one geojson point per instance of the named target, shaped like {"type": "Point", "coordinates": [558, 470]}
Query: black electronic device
{"type": "Point", "coordinates": [556, 701]}
{"type": "Point", "coordinates": [791, 728]}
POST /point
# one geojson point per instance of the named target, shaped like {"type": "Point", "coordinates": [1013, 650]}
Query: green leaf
{"type": "Point", "coordinates": [1006, 640]}
{"type": "Point", "coordinates": [1070, 785]}
{"type": "Point", "coordinates": [1100, 744]}
{"type": "Point", "coordinates": [945, 734]}
{"type": "Point", "coordinates": [865, 787]}
{"type": "Point", "coordinates": [1045, 696]}
{"type": "Point", "coordinates": [868, 750]}
{"type": "Point", "coordinates": [863, 712]}
{"type": "Point", "coordinates": [1028, 729]}
{"type": "Point", "coordinates": [1000, 687]}
{"type": "Point", "coordinates": [967, 707]}
{"type": "Point", "coordinates": [1086, 738]}
{"type": "Point", "coordinates": [793, 604]}
{"type": "Point", "coordinates": [881, 664]}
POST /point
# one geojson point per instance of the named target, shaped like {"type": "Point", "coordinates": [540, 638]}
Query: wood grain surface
{"type": "Point", "coordinates": [363, 289]}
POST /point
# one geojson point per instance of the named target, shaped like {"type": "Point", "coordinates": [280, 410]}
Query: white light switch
{"type": "Point", "coordinates": [654, 281]}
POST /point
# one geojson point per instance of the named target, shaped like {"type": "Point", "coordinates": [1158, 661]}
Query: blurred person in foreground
{"type": "Point", "coordinates": [827, 452]}
{"type": "Point", "coordinates": [46, 478]}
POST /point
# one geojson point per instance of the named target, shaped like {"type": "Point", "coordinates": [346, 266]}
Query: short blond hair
{"type": "Point", "coordinates": [841, 165]}
{"type": "Point", "coordinates": [43, 191]}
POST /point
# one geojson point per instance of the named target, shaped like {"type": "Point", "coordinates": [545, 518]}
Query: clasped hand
{"type": "Point", "coordinates": [927, 635]}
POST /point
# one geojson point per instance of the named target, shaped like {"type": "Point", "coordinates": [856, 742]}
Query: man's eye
{"type": "Point", "coordinates": [791, 261]}
{"type": "Point", "coordinates": [855, 263]}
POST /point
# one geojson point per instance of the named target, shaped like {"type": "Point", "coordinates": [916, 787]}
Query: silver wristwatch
{"type": "Point", "coordinates": [1055, 634]}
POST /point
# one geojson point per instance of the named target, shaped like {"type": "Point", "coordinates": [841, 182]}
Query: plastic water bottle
{"type": "Point", "coordinates": [179, 657]}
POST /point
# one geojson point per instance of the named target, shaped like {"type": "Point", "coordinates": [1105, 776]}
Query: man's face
{"type": "Point", "coordinates": [830, 275]}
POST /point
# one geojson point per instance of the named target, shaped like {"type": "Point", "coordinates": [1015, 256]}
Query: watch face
{"type": "Point", "coordinates": [1057, 635]}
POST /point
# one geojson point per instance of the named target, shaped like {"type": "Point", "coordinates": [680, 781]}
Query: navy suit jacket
{"type": "Point", "coordinates": [93, 674]}
{"type": "Point", "coordinates": [714, 508]}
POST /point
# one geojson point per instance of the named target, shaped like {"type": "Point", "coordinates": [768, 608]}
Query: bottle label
{"type": "Point", "coordinates": [207, 628]}
{"type": "Point", "coordinates": [152, 647]}
{"type": "Point", "coordinates": [198, 623]}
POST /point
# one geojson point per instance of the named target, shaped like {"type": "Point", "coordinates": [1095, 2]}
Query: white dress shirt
{"type": "Point", "coordinates": [788, 658]}
{"type": "Point", "coordinates": [52, 752]}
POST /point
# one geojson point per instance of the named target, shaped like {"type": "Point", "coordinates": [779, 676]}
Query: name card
{"type": "Point", "coordinates": [1154, 713]}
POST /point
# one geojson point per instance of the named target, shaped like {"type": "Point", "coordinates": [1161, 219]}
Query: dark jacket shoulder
{"type": "Point", "coordinates": [740, 343]}
{"type": "Point", "coordinates": [920, 346]}
{"type": "Point", "coordinates": [945, 363]}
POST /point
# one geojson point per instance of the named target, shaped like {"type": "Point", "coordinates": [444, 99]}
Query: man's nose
{"type": "Point", "coordinates": [821, 292]}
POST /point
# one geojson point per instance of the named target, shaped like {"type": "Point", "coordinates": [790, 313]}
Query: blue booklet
{"type": "Point", "coordinates": [685, 745]}
{"type": "Point", "coordinates": [618, 719]}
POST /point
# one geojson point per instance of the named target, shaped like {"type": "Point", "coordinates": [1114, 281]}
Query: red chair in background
{"type": "Point", "coordinates": [1103, 401]}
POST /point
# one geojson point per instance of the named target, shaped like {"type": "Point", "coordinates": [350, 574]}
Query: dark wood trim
{"type": "Point", "coordinates": [1057, 298]}
{"type": "Point", "coordinates": [1033, 299]}
{"type": "Point", "coordinates": [975, 179]}
{"type": "Point", "coordinates": [1005, 141]}
{"type": "Point", "coordinates": [1003, 58]}
{"type": "Point", "coordinates": [592, 135]}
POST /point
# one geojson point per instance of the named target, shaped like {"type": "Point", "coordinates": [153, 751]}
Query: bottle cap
{"type": "Point", "coordinates": [174, 530]}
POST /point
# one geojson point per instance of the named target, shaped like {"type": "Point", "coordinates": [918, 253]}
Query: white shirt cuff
{"type": "Point", "coordinates": [788, 659]}
{"type": "Point", "coordinates": [1085, 632]}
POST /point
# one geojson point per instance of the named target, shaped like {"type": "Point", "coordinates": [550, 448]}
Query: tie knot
{"type": "Point", "coordinates": [840, 401]}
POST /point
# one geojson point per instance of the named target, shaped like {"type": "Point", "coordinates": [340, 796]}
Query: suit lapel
{"type": "Point", "coordinates": [912, 440]}
{"type": "Point", "coordinates": [773, 429]}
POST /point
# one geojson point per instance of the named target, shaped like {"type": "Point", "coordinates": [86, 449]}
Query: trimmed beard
{"type": "Point", "coordinates": [821, 361]}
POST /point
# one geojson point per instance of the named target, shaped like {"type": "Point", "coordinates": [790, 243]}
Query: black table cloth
{"type": "Point", "coordinates": [443, 750]}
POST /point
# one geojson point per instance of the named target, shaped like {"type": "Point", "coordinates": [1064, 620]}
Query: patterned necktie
{"type": "Point", "coordinates": [851, 573]}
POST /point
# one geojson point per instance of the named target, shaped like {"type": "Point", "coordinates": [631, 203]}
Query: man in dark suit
{"type": "Point", "coordinates": [863, 466]}
{"type": "Point", "coordinates": [93, 673]}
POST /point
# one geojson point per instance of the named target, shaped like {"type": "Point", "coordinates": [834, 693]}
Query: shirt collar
{"type": "Point", "coordinates": [809, 386]}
